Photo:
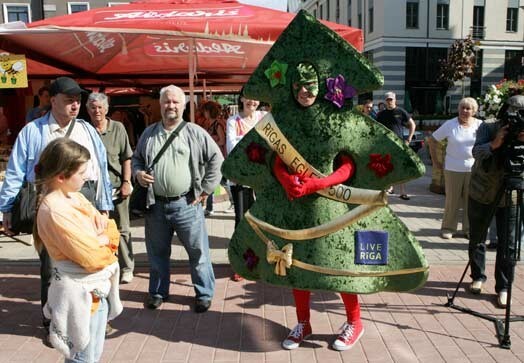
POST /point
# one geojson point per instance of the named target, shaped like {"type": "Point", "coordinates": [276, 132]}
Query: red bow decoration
{"type": "Point", "coordinates": [256, 153]}
{"type": "Point", "coordinates": [380, 164]}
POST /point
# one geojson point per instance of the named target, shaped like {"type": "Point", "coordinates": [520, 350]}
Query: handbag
{"type": "Point", "coordinates": [23, 212]}
{"type": "Point", "coordinates": [24, 209]}
{"type": "Point", "coordinates": [138, 198]}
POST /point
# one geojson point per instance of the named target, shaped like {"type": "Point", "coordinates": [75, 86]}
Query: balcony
{"type": "Point", "coordinates": [477, 32]}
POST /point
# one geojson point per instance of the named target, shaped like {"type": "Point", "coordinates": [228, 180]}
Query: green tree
{"type": "Point", "coordinates": [458, 65]}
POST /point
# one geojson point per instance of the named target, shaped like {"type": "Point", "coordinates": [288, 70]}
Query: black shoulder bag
{"type": "Point", "coordinates": [24, 206]}
{"type": "Point", "coordinates": [138, 198]}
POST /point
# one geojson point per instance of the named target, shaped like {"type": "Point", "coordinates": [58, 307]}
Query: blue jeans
{"type": "Point", "coordinates": [188, 221]}
{"type": "Point", "coordinates": [97, 334]}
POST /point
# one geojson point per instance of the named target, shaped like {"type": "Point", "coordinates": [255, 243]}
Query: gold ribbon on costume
{"type": "Point", "coordinates": [275, 139]}
{"type": "Point", "coordinates": [284, 259]}
{"type": "Point", "coordinates": [318, 231]}
{"type": "Point", "coordinates": [281, 258]}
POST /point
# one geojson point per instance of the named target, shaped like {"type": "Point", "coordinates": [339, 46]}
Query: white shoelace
{"type": "Point", "coordinates": [347, 331]}
{"type": "Point", "coordinates": [297, 331]}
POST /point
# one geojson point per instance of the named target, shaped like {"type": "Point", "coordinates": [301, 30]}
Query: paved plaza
{"type": "Point", "coordinates": [248, 320]}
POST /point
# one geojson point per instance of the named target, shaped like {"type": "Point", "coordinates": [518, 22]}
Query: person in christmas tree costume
{"type": "Point", "coordinates": [321, 220]}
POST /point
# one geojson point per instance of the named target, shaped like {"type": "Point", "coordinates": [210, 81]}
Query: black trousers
{"type": "Point", "coordinates": [243, 199]}
{"type": "Point", "coordinates": [89, 191]}
{"type": "Point", "coordinates": [479, 221]}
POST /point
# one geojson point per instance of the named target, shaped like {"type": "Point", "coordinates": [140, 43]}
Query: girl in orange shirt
{"type": "Point", "coordinates": [84, 289]}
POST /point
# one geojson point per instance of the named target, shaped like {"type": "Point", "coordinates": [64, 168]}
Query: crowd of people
{"type": "Point", "coordinates": [84, 172]}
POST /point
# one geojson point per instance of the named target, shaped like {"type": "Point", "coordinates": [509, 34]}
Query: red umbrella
{"type": "Point", "coordinates": [150, 43]}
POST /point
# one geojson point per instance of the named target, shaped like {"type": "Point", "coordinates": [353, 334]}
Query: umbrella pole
{"type": "Point", "coordinates": [191, 81]}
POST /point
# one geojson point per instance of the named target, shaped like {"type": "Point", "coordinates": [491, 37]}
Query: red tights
{"type": "Point", "coordinates": [302, 304]}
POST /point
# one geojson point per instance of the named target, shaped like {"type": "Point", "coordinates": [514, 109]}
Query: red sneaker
{"type": "Point", "coordinates": [236, 277]}
{"type": "Point", "coordinates": [300, 332]}
{"type": "Point", "coordinates": [351, 333]}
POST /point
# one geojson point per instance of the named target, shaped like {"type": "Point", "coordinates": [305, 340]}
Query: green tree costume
{"type": "Point", "coordinates": [311, 242]}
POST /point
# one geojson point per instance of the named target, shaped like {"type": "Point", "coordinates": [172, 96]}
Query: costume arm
{"type": "Point", "coordinates": [289, 182]}
{"type": "Point", "coordinates": [297, 187]}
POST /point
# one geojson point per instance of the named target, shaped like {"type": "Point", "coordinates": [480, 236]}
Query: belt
{"type": "Point", "coordinates": [170, 199]}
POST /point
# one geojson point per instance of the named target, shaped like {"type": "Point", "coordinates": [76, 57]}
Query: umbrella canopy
{"type": "Point", "coordinates": [151, 43]}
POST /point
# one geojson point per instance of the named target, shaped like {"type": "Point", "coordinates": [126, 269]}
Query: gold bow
{"type": "Point", "coordinates": [282, 258]}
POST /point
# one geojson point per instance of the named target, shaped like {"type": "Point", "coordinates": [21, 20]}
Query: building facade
{"type": "Point", "coordinates": [406, 38]}
{"type": "Point", "coordinates": [31, 10]}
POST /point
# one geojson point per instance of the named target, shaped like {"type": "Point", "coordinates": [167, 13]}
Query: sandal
{"type": "Point", "coordinates": [404, 196]}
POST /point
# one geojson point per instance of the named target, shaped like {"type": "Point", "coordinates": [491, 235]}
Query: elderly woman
{"type": "Point", "coordinates": [116, 141]}
{"type": "Point", "coordinates": [460, 133]}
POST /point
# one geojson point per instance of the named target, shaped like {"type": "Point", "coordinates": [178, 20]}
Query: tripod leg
{"type": "Point", "coordinates": [451, 298]}
{"type": "Point", "coordinates": [511, 254]}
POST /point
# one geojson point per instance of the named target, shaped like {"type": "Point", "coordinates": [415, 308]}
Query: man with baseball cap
{"type": "Point", "coordinates": [61, 121]}
{"type": "Point", "coordinates": [396, 118]}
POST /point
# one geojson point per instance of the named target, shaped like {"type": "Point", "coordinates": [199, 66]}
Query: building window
{"type": "Point", "coordinates": [17, 12]}
{"type": "Point", "coordinates": [359, 14]}
{"type": "Point", "coordinates": [475, 88]}
{"type": "Point", "coordinates": [349, 12]}
{"type": "Point", "coordinates": [114, 3]}
{"type": "Point", "coordinates": [443, 16]}
{"type": "Point", "coordinates": [513, 64]}
{"type": "Point", "coordinates": [412, 14]}
{"type": "Point", "coordinates": [76, 7]}
{"type": "Point", "coordinates": [328, 15]}
{"type": "Point", "coordinates": [337, 12]}
{"type": "Point", "coordinates": [512, 19]}
{"type": "Point", "coordinates": [370, 18]}
{"type": "Point", "coordinates": [321, 11]}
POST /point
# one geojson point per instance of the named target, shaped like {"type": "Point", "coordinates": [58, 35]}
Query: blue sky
{"type": "Point", "coordinates": [273, 4]}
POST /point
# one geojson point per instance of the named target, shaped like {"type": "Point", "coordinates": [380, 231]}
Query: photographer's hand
{"type": "Point", "coordinates": [498, 141]}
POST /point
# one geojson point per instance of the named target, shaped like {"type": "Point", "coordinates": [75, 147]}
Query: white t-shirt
{"type": "Point", "coordinates": [237, 127]}
{"type": "Point", "coordinates": [461, 139]}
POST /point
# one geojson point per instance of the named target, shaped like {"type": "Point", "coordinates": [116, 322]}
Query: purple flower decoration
{"type": "Point", "coordinates": [251, 259]}
{"type": "Point", "coordinates": [338, 90]}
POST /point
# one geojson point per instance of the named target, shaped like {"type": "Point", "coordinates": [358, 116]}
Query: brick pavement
{"type": "Point", "coordinates": [248, 320]}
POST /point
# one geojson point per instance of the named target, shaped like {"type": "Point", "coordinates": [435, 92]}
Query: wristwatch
{"type": "Point", "coordinates": [126, 181]}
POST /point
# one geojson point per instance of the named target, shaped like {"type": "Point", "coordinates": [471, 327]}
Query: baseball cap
{"type": "Point", "coordinates": [66, 86]}
{"type": "Point", "coordinates": [390, 95]}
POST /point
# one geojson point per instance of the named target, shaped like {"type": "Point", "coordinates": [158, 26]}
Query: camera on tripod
{"type": "Point", "coordinates": [514, 149]}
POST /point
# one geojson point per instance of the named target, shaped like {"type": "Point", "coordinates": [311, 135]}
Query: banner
{"type": "Point", "coordinates": [13, 71]}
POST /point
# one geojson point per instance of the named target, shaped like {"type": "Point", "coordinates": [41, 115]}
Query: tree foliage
{"type": "Point", "coordinates": [459, 63]}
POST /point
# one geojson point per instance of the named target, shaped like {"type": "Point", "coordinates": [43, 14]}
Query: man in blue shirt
{"type": "Point", "coordinates": [31, 141]}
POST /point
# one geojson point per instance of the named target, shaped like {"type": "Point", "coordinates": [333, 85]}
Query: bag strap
{"type": "Point", "coordinates": [70, 128]}
{"type": "Point", "coordinates": [116, 172]}
{"type": "Point", "coordinates": [167, 143]}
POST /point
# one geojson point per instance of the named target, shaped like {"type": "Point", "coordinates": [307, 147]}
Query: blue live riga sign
{"type": "Point", "coordinates": [371, 248]}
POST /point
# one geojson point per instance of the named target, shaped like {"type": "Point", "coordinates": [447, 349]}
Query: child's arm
{"type": "Point", "coordinates": [66, 239]}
